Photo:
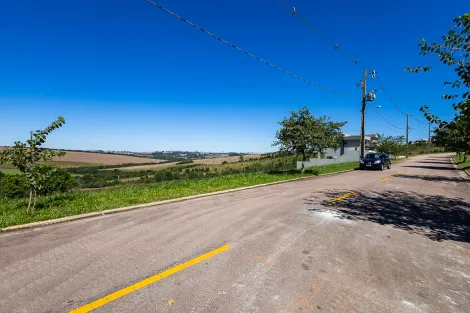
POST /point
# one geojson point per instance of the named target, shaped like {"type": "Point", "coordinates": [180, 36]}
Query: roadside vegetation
{"type": "Point", "coordinates": [464, 164]}
{"type": "Point", "coordinates": [68, 203]}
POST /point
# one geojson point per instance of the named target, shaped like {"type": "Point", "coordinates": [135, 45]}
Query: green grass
{"type": "Point", "coordinates": [8, 171]}
{"type": "Point", "coordinates": [466, 165]}
{"type": "Point", "coordinates": [13, 211]}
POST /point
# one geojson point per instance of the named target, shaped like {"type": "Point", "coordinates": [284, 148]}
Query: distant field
{"type": "Point", "coordinates": [87, 158]}
{"type": "Point", "coordinates": [210, 161]}
{"type": "Point", "coordinates": [228, 159]}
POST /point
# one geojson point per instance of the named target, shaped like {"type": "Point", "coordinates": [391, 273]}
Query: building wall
{"type": "Point", "coordinates": [350, 156]}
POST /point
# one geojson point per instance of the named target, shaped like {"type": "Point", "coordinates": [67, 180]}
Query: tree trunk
{"type": "Point", "coordinates": [34, 203]}
{"type": "Point", "coordinates": [30, 198]}
{"type": "Point", "coordinates": [303, 160]}
{"type": "Point", "coordinates": [465, 157]}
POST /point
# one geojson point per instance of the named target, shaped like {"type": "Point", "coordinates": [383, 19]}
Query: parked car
{"type": "Point", "coordinates": [375, 160]}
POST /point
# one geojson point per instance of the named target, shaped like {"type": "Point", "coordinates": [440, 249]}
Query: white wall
{"type": "Point", "coordinates": [349, 156]}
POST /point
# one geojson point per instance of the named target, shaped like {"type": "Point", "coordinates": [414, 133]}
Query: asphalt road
{"type": "Point", "coordinates": [398, 245]}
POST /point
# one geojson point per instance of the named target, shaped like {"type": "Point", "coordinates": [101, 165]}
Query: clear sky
{"type": "Point", "coordinates": [135, 78]}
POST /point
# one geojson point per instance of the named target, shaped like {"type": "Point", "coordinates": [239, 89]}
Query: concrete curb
{"type": "Point", "coordinates": [146, 205]}
{"type": "Point", "coordinates": [455, 162]}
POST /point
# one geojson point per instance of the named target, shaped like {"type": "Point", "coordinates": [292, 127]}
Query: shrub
{"type": "Point", "coordinates": [14, 186]}
{"type": "Point", "coordinates": [58, 180]}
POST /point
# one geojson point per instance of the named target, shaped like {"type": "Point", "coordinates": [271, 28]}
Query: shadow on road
{"type": "Point", "coordinates": [431, 167]}
{"type": "Point", "coordinates": [435, 217]}
{"type": "Point", "coordinates": [435, 162]}
{"type": "Point", "coordinates": [432, 178]}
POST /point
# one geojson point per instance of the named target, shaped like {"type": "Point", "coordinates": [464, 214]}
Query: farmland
{"type": "Point", "coordinates": [87, 158]}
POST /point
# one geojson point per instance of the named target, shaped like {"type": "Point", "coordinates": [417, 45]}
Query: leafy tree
{"type": "Point", "coordinates": [302, 133]}
{"type": "Point", "coordinates": [25, 157]}
{"type": "Point", "coordinates": [391, 144]}
{"type": "Point", "coordinates": [331, 134]}
{"type": "Point", "coordinates": [454, 51]}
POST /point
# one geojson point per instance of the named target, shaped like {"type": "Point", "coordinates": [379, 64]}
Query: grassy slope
{"type": "Point", "coordinates": [13, 211]}
{"type": "Point", "coordinates": [466, 165]}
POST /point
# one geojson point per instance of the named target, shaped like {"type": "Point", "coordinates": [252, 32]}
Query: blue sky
{"type": "Point", "coordinates": [135, 78]}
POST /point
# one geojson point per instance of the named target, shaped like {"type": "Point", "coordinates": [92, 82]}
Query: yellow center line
{"type": "Point", "coordinates": [383, 179]}
{"type": "Point", "coordinates": [343, 196]}
{"type": "Point", "coordinates": [148, 281]}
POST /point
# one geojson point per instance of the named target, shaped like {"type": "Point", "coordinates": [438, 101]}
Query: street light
{"type": "Point", "coordinates": [366, 97]}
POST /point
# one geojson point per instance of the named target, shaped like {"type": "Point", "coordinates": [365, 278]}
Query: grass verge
{"type": "Point", "coordinates": [13, 211]}
{"type": "Point", "coordinates": [459, 160]}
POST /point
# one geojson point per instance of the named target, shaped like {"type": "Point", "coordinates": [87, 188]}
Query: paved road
{"type": "Point", "coordinates": [399, 245]}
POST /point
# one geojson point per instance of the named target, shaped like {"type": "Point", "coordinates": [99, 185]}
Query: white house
{"type": "Point", "coordinates": [351, 143]}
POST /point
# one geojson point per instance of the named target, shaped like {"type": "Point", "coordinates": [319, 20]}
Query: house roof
{"type": "Point", "coordinates": [355, 137]}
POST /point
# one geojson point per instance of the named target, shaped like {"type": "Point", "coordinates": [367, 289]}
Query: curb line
{"type": "Point", "coordinates": [455, 162]}
{"type": "Point", "coordinates": [146, 205]}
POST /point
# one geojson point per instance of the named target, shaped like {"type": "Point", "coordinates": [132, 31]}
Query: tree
{"type": "Point", "coordinates": [331, 134]}
{"type": "Point", "coordinates": [391, 144]}
{"type": "Point", "coordinates": [454, 51]}
{"type": "Point", "coordinates": [302, 133]}
{"type": "Point", "coordinates": [25, 157]}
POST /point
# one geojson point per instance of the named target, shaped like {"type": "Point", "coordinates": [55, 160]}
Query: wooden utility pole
{"type": "Point", "coordinates": [407, 129]}
{"type": "Point", "coordinates": [363, 117]}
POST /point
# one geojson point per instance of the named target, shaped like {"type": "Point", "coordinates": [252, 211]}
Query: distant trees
{"type": "Point", "coordinates": [303, 134]}
{"type": "Point", "coordinates": [26, 157]}
{"type": "Point", "coordinates": [394, 145]}
{"type": "Point", "coordinates": [454, 51]}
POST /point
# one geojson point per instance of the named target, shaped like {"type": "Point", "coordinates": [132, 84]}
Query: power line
{"type": "Point", "coordinates": [377, 112]}
{"type": "Point", "coordinates": [388, 96]}
{"type": "Point", "coordinates": [146, 13]}
{"type": "Point", "coordinates": [418, 120]}
{"type": "Point", "coordinates": [309, 26]}
{"type": "Point", "coordinates": [336, 47]}
{"type": "Point", "coordinates": [248, 53]}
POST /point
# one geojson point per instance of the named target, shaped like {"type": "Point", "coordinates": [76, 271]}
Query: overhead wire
{"type": "Point", "coordinates": [377, 112]}
{"type": "Point", "coordinates": [314, 30]}
{"type": "Point", "coordinates": [146, 13]}
{"type": "Point", "coordinates": [287, 6]}
{"type": "Point", "coordinates": [250, 54]}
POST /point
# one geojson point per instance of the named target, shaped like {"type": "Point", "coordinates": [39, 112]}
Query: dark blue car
{"type": "Point", "coordinates": [375, 160]}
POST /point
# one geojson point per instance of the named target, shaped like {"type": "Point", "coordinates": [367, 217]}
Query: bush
{"type": "Point", "coordinates": [14, 186]}
{"type": "Point", "coordinates": [56, 180]}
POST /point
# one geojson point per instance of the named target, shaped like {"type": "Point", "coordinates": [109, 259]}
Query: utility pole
{"type": "Point", "coordinates": [429, 137]}
{"type": "Point", "coordinates": [407, 128]}
{"type": "Point", "coordinates": [363, 118]}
